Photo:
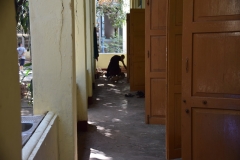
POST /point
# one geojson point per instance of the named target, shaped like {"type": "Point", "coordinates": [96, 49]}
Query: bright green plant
{"type": "Point", "coordinates": [26, 88]}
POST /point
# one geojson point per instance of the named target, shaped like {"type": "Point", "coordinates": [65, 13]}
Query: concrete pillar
{"type": "Point", "coordinates": [89, 49]}
{"type": "Point", "coordinates": [10, 128]}
{"type": "Point", "coordinates": [81, 64]}
{"type": "Point", "coordinates": [54, 74]}
{"type": "Point", "coordinates": [93, 24]}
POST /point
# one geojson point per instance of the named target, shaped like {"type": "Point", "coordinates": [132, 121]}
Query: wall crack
{"type": "Point", "coordinates": [60, 39]}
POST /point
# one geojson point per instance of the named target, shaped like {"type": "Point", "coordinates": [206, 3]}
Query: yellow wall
{"type": "Point", "coordinates": [81, 60]}
{"type": "Point", "coordinates": [54, 73]}
{"type": "Point", "coordinates": [10, 127]}
{"type": "Point", "coordinates": [104, 59]}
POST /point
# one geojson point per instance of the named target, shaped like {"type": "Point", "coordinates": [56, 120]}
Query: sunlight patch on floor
{"type": "Point", "coordinates": [106, 104]}
{"type": "Point", "coordinates": [25, 112]}
{"type": "Point", "coordinates": [96, 154]}
{"type": "Point", "coordinates": [109, 105]}
{"type": "Point", "coordinates": [104, 131]}
{"type": "Point", "coordinates": [115, 90]}
{"type": "Point", "coordinates": [116, 120]}
{"type": "Point", "coordinates": [124, 106]}
{"type": "Point", "coordinates": [89, 122]}
{"type": "Point", "coordinates": [112, 85]}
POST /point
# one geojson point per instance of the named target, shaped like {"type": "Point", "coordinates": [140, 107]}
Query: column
{"type": "Point", "coordinates": [54, 73]}
{"type": "Point", "coordinates": [10, 128]}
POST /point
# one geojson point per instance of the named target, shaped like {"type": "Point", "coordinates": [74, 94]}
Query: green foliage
{"type": "Point", "coordinates": [116, 44]}
{"type": "Point", "coordinates": [114, 11]}
{"type": "Point", "coordinates": [27, 71]}
{"type": "Point", "coordinates": [22, 15]}
{"type": "Point", "coordinates": [26, 87]}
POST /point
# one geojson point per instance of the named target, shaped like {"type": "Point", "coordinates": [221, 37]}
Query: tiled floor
{"type": "Point", "coordinates": [117, 129]}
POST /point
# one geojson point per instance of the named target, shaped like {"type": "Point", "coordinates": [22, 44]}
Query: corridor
{"type": "Point", "coordinates": [116, 127]}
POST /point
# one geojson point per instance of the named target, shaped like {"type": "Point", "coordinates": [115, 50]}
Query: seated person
{"type": "Point", "coordinates": [113, 67]}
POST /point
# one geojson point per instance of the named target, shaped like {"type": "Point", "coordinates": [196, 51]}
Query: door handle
{"type": "Point", "coordinates": [148, 3]}
{"type": "Point", "coordinates": [186, 65]}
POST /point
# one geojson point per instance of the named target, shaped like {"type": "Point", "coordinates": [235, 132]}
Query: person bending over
{"type": "Point", "coordinates": [113, 67]}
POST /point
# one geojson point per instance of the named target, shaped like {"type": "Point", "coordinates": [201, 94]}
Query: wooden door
{"type": "Point", "coordinates": [211, 80]}
{"type": "Point", "coordinates": [173, 127]}
{"type": "Point", "coordinates": [155, 59]}
{"type": "Point", "coordinates": [137, 48]}
{"type": "Point", "coordinates": [128, 47]}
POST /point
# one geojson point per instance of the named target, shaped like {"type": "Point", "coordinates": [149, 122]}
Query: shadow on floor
{"type": "Point", "coordinates": [117, 129]}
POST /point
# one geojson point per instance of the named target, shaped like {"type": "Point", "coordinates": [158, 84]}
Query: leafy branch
{"type": "Point", "coordinates": [22, 15]}
{"type": "Point", "coordinates": [114, 11]}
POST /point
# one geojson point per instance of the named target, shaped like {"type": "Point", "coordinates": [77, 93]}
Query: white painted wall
{"type": "Point", "coordinates": [53, 57]}
{"type": "Point", "coordinates": [10, 128]}
{"type": "Point", "coordinates": [81, 60]}
{"type": "Point", "coordinates": [93, 19]}
{"type": "Point", "coordinates": [89, 49]}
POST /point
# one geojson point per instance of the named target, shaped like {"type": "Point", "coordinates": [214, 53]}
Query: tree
{"type": "Point", "coordinates": [116, 45]}
{"type": "Point", "coordinates": [114, 11]}
{"type": "Point", "coordinates": [22, 15]}
{"type": "Point", "coordinates": [117, 16]}
{"type": "Point", "coordinates": [22, 19]}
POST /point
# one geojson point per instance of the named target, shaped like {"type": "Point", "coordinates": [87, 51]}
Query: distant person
{"type": "Point", "coordinates": [21, 56]}
{"type": "Point", "coordinates": [113, 67]}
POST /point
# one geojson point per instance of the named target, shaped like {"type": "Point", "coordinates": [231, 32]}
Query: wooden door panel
{"type": "Point", "coordinates": [213, 10]}
{"type": "Point", "coordinates": [176, 139]}
{"type": "Point", "coordinates": [177, 57]}
{"type": "Point", "coordinates": [219, 76]}
{"type": "Point", "coordinates": [208, 122]}
{"type": "Point", "coordinates": [176, 11]}
{"type": "Point", "coordinates": [138, 19]}
{"type": "Point", "coordinates": [158, 101]}
{"type": "Point", "coordinates": [137, 77]}
{"type": "Point", "coordinates": [155, 61]}
{"type": "Point", "coordinates": [137, 50]}
{"type": "Point", "coordinates": [174, 59]}
{"type": "Point", "coordinates": [158, 54]}
{"type": "Point", "coordinates": [210, 74]}
{"type": "Point", "coordinates": [138, 46]}
{"type": "Point", "coordinates": [158, 14]}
